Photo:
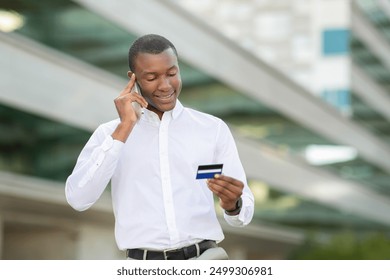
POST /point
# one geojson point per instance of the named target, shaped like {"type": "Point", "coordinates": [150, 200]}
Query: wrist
{"type": "Point", "coordinates": [123, 130]}
{"type": "Point", "coordinates": [236, 210]}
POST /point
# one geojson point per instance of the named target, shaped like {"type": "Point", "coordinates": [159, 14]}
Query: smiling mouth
{"type": "Point", "coordinates": [164, 97]}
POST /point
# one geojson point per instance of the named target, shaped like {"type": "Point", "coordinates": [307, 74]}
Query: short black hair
{"type": "Point", "coordinates": [150, 43]}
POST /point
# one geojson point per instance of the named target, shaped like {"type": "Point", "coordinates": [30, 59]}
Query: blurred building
{"type": "Point", "coordinates": [303, 84]}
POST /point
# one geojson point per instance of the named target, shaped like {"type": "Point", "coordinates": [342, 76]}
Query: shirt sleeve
{"type": "Point", "coordinates": [227, 154]}
{"type": "Point", "coordinates": [94, 169]}
{"type": "Point", "coordinates": [245, 215]}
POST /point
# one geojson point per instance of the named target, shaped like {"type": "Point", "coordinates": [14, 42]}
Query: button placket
{"type": "Point", "coordinates": [165, 178]}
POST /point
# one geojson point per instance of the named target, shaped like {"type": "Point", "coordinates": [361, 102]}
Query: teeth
{"type": "Point", "coordinates": [165, 97]}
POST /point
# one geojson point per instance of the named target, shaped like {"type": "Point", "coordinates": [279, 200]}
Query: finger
{"type": "Point", "coordinates": [227, 182]}
{"type": "Point", "coordinates": [228, 179]}
{"type": "Point", "coordinates": [135, 97]}
{"type": "Point", "coordinates": [123, 97]}
{"type": "Point", "coordinates": [225, 187]}
{"type": "Point", "coordinates": [225, 191]}
{"type": "Point", "coordinates": [226, 198]}
{"type": "Point", "coordinates": [226, 201]}
{"type": "Point", "coordinates": [129, 85]}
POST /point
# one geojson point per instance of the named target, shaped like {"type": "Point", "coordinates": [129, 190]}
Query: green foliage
{"type": "Point", "coordinates": [345, 246]}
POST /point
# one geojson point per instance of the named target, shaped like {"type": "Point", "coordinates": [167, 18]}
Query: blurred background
{"type": "Point", "coordinates": [304, 86]}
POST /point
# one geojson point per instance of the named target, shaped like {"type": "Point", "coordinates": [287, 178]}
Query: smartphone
{"type": "Point", "coordinates": [137, 108]}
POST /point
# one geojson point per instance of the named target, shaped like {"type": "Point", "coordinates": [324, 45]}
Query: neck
{"type": "Point", "coordinates": [158, 112]}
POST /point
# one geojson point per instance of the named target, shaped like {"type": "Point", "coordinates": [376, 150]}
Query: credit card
{"type": "Point", "coordinates": [208, 171]}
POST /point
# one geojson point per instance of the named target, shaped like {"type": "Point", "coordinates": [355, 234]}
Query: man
{"type": "Point", "coordinates": [161, 210]}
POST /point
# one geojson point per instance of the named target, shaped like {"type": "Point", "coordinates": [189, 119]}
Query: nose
{"type": "Point", "coordinates": [164, 84]}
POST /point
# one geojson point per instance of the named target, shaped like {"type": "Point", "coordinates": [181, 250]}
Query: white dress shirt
{"type": "Point", "coordinates": [158, 203]}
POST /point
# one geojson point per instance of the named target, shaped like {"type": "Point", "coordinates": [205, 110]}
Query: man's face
{"type": "Point", "coordinates": [158, 76]}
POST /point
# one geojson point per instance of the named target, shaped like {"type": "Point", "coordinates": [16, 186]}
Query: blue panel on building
{"type": "Point", "coordinates": [335, 41]}
{"type": "Point", "coordinates": [340, 98]}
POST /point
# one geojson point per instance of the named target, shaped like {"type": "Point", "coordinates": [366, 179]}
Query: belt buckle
{"type": "Point", "coordinates": [168, 251]}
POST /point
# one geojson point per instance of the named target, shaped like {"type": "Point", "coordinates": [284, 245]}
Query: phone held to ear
{"type": "Point", "coordinates": [137, 108]}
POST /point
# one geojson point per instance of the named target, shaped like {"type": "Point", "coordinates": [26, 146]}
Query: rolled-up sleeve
{"type": "Point", "coordinates": [228, 154]}
{"type": "Point", "coordinates": [245, 215]}
{"type": "Point", "coordinates": [93, 171]}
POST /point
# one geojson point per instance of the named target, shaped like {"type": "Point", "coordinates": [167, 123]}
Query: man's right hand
{"type": "Point", "coordinates": [123, 102]}
{"type": "Point", "coordinates": [126, 111]}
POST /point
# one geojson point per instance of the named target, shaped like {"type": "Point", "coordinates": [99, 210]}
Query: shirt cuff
{"type": "Point", "coordinates": [112, 144]}
{"type": "Point", "coordinates": [109, 146]}
{"type": "Point", "coordinates": [244, 217]}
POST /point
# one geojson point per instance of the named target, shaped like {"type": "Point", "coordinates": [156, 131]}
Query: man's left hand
{"type": "Point", "coordinates": [228, 190]}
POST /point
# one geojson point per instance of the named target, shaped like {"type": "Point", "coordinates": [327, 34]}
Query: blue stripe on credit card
{"type": "Point", "coordinates": [208, 171]}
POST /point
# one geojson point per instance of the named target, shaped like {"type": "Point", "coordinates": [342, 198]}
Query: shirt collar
{"type": "Point", "coordinates": [177, 110]}
{"type": "Point", "coordinates": [152, 117]}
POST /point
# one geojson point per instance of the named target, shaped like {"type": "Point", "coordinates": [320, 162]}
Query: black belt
{"type": "Point", "coordinates": [184, 253]}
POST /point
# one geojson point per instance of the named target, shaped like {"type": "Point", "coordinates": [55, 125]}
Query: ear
{"type": "Point", "coordinates": [129, 73]}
